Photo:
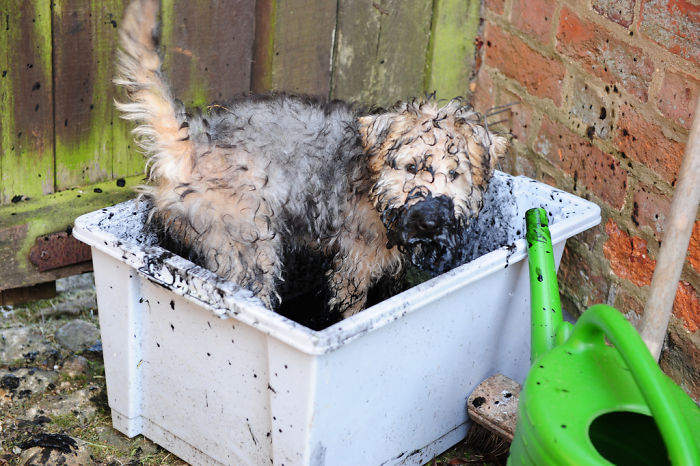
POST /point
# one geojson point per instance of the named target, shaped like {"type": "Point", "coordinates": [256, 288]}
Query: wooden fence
{"type": "Point", "coordinates": [64, 151]}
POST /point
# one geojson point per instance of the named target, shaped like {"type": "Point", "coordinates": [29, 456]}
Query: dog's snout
{"type": "Point", "coordinates": [430, 215]}
{"type": "Point", "coordinates": [426, 224]}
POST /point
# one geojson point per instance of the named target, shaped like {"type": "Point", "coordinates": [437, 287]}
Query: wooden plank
{"type": "Point", "coordinates": [90, 138]}
{"type": "Point", "coordinates": [403, 45]}
{"type": "Point", "coordinates": [263, 46]}
{"type": "Point", "coordinates": [355, 57]}
{"type": "Point", "coordinates": [208, 48]}
{"type": "Point", "coordinates": [27, 294]}
{"type": "Point", "coordinates": [451, 56]}
{"type": "Point", "coordinates": [26, 119]}
{"type": "Point", "coordinates": [382, 49]}
{"type": "Point", "coordinates": [22, 222]}
{"type": "Point", "coordinates": [303, 44]}
{"type": "Point", "coordinates": [293, 46]}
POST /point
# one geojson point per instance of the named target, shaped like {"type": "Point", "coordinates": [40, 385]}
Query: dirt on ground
{"type": "Point", "coordinates": [53, 396]}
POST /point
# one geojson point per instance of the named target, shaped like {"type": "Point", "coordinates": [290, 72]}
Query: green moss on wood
{"type": "Point", "coordinates": [26, 152]}
{"type": "Point", "coordinates": [91, 152]}
{"type": "Point", "coordinates": [450, 59]}
{"type": "Point", "coordinates": [56, 212]}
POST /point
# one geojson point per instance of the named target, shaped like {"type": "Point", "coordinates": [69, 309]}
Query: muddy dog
{"type": "Point", "coordinates": [246, 181]}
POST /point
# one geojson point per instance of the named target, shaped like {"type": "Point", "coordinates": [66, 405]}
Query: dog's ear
{"type": "Point", "coordinates": [374, 129]}
{"type": "Point", "coordinates": [497, 150]}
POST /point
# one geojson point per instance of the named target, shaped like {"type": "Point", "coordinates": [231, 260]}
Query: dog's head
{"type": "Point", "coordinates": [431, 166]}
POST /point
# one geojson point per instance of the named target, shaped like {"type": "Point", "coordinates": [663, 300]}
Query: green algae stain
{"type": "Point", "coordinates": [99, 151]}
{"type": "Point", "coordinates": [26, 153]}
{"type": "Point", "coordinates": [55, 212]}
{"type": "Point", "coordinates": [450, 59]}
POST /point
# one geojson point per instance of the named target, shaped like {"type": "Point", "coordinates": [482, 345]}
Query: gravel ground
{"type": "Point", "coordinates": [53, 400]}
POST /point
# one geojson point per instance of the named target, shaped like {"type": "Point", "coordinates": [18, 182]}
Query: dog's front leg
{"type": "Point", "coordinates": [349, 282]}
{"type": "Point", "coordinates": [356, 267]}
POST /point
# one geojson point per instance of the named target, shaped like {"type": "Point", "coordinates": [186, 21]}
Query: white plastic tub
{"type": "Point", "coordinates": [199, 366]}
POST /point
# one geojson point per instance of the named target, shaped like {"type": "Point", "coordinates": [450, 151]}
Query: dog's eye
{"type": "Point", "coordinates": [411, 168]}
{"type": "Point", "coordinates": [453, 174]}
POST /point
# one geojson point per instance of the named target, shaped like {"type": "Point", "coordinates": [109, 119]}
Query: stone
{"type": "Point", "coordinates": [24, 383]}
{"type": "Point", "coordinates": [78, 404]}
{"type": "Point", "coordinates": [43, 449]}
{"type": "Point", "coordinates": [75, 366]}
{"type": "Point", "coordinates": [24, 345]}
{"type": "Point", "coordinates": [112, 437]}
{"type": "Point", "coordinates": [77, 335]}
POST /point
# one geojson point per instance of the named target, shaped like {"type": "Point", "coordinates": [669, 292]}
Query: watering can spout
{"type": "Point", "coordinates": [544, 292]}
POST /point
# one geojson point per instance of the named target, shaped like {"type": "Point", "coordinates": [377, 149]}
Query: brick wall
{"type": "Point", "coordinates": [607, 90]}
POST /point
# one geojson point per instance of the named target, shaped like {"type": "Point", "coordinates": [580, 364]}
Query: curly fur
{"type": "Point", "coordinates": [246, 182]}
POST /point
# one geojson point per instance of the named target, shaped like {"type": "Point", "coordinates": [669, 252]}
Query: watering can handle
{"type": "Point", "coordinates": [602, 321]}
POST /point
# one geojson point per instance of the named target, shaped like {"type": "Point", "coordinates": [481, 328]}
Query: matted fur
{"type": "Point", "coordinates": [247, 181]}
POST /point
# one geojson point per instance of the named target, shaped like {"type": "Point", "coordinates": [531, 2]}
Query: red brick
{"type": "Point", "coordinates": [674, 24]}
{"type": "Point", "coordinates": [680, 359]}
{"type": "Point", "coordinates": [541, 76]}
{"type": "Point", "coordinates": [586, 103]}
{"type": "Point", "coordinates": [628, 256]}
{"type": "Point", "coordinates": [651, 208]}
{"type": "Point", "coordinates": [687, 307]}
{"type": "Point", "coordinates": [694, 247]}
{"type": "Point", "coordinates": [598, 171]}
{"type": "Point", "coordinates": [678, 96]}
{"type": "Point", "coordinates": [584, 285]}
{"type": "Point", "coordinates": [519, 116]}
{"type": "Point", "coordinates": [646, 143]}
{"type": "Point", "coordinates": [533, 17]}
{"type": "Point", "coordinates": [602, 54]}
{"type": "Point", "coordinates": [625, 303]}
{"type": "Point", "coordinates": [619, 11]}
{"type": "Point", "coordinates": [484, 91]}
{"type": "Point", "coordinates": [495, 5]}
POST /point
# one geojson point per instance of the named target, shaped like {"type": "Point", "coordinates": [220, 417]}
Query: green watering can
{"type": "Point", "coordinates": [594, 394]}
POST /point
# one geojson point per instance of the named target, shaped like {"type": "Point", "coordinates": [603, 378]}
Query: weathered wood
{"type": "Point", "coordinates": [208, 48]}
{"type": "Point", "coordinates": [263, 46]}
{"type": "Point", "coordinates": [26, 119]}
{"type": "Point", "coordinates": [392, 36]}
{"type": "Point", "coordinates": [455, 24]}
{"type": "Point", "coordinates": [27, 294]}
{"type": "Point", "coordinates": [84, 41]}
{"type": "Point", "coordinates": [355, 57]}
{"type": "Point", "coordinates": [371, 51]}
{"type": "Point", "coordinates": [403, 45]}
{"type": "Point", "coordinates": [294, 46]}
{"type": "Point", "coordinates": [21, 223]}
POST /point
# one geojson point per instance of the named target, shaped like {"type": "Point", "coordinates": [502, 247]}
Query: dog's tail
{"type": "Point", "coordinates": [163, 132]}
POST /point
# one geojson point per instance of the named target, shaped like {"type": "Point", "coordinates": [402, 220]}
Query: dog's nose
{"type": "Point", "coordinates": [426, 224]}
{"type": "Point", "coordinates": [430, 215]}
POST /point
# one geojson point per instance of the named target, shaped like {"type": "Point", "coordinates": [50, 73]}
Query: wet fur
{"type": "Point", "coordinates": [244, 183]}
